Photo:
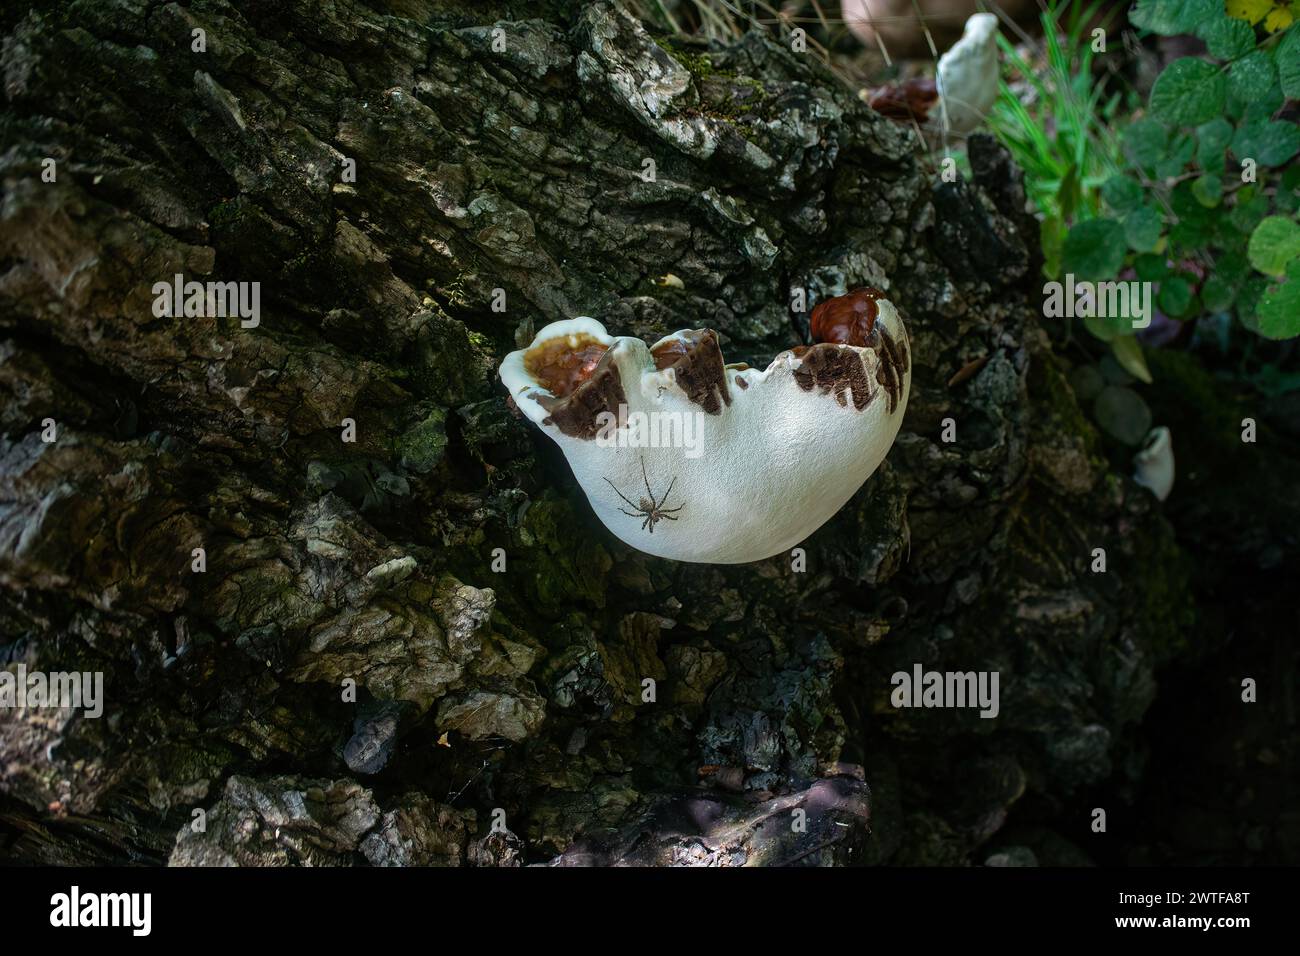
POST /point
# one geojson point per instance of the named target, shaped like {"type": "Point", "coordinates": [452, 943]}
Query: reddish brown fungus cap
{"type": "Point", "coordinates": [848, 319]}
{"type": "Point", "coordinates": [560, 366]}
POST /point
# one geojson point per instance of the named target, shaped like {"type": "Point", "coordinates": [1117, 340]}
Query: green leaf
{"type": "Point", "coordinates": [1121, 193]}
{"type": "Point", "coordinates": [1248, 296]}
{"type": "Point", "coordinates": [1273, 244]}
{"type": "Point", "coordinates": [1051, 236]}
{"type": "Point", "coordinates": [1129, 355]}
{"type": "Point", "coordinates": [1122, 414]}
{"type": "Point", "coordinates": [1142, 228]}
{"type": "Point", "coordinates": [1263, 107]}
{"type": "Point", "coordinates": [1181, 149]}
{"type": "Point", "coordinates": [1144, 142]}
{"type": "Point", "coordinates": [1094, 250]}
{"type": "Point", "coordinates": [1212, 141]}
{"type": "Point", "coordinates": [1208, 190]}
{"type": "Point", "coordinates": [1216, 294]}
{"type": "Point", "coordinates": [1189, 209]}
{"type": "Point", "coordinates": [1252, 206]}
{"type": "Point", "coordinates": [1250, 77]}
{"type": "Point", "coordinates": [1226, 38]}
{"type": "Point", "coordinates": [1186, 236]}
{"type": "Point", "coordinates": [1232, 266]}
{"type": "Point", "coordinates": [1175, 297]}
{"type": "Point", "coordinates": [1173, 17]}
{"type": "Point", "coordinates": [1150, 267]}
{"type": "Point", "coordinates": [1288, 62]}
{"type": "Point", "coordinates": [1277, 314]}
{"type": "Point", "coordinates": [1224, 234]}
{"type": "Point", "coordinates": [1288, 191]}
{"type": "Point", "coordinates": [1189, 92]}
{"type": "Point", "coordinates": [1067, 192]}
{"type": "Point", "coordinates": [1108, 328]}
{"type": "Point", "coordinates": [1268, 143]}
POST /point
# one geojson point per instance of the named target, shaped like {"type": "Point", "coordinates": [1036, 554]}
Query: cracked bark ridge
{"type": "Point", "coordinates": [498, 640]}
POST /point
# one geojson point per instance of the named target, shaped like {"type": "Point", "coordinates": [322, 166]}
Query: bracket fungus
{"type": "Point", "coordinates": [684, 456]}
{"type": "Point", "coordinates": [1153, 465]}
{"type": "Point", "coordinates": [968, 75]}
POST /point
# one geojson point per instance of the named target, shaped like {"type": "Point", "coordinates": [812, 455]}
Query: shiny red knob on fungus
{"type": "Point", "coordinates": [848, 319]}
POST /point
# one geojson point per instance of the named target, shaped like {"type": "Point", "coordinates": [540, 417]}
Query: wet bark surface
{"type": "Point", "coordinates": [445, 562]}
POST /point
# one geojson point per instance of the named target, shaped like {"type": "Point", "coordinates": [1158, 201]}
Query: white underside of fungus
{"type": "Point", "coordinates": [1154, 463]}
{"type": "Point", "coordinates": [967, 75]}
{"type": "Point", "coordinates": [685, 458]}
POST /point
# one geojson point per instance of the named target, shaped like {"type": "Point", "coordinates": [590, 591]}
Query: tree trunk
{"type": "Point", "coordinates": [416, 187]}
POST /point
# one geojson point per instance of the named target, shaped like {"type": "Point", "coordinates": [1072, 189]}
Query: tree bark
{"type": "Point", "coordinates": [499, 716]}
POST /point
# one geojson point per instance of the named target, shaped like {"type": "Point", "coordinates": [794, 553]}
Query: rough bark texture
{"type": "Point", "coordinates": [515, 696]}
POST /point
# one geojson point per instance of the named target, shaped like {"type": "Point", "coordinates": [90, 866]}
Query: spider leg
{"type": "Point", "coordinates": [630, 514]}
{"type": "Point", "coordinates": [665, 516]}
{"type": "Point", "coordinates": [653, 503]}
{"type": "Point", "coordinates": [621, 495]}
{"type": "Point", "coordinates": [671, 511]}
{"type": "Point", "coordinates": [670, 489]}
{"type": "Point", "coordinates": [648, 522]}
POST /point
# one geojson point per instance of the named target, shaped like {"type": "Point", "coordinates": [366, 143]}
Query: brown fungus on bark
{"type": "Point", "coordinates": [584, 383]}
{"type": "Point", "coordinates": [850, 319]}
{"type": "Point", "coordinates": [696, 360]}
{"type": "Point", "coordinates": [835, 370]}
{"type": "Point", "coordinates": [893, 364]}
{"type": "Point", "coordinates": [905, 102]}
{"type": "Point", "coordinates": [561, 365]}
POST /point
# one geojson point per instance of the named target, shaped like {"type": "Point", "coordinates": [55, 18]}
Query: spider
{"type": "Point", "coordinates": [649, 508]}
